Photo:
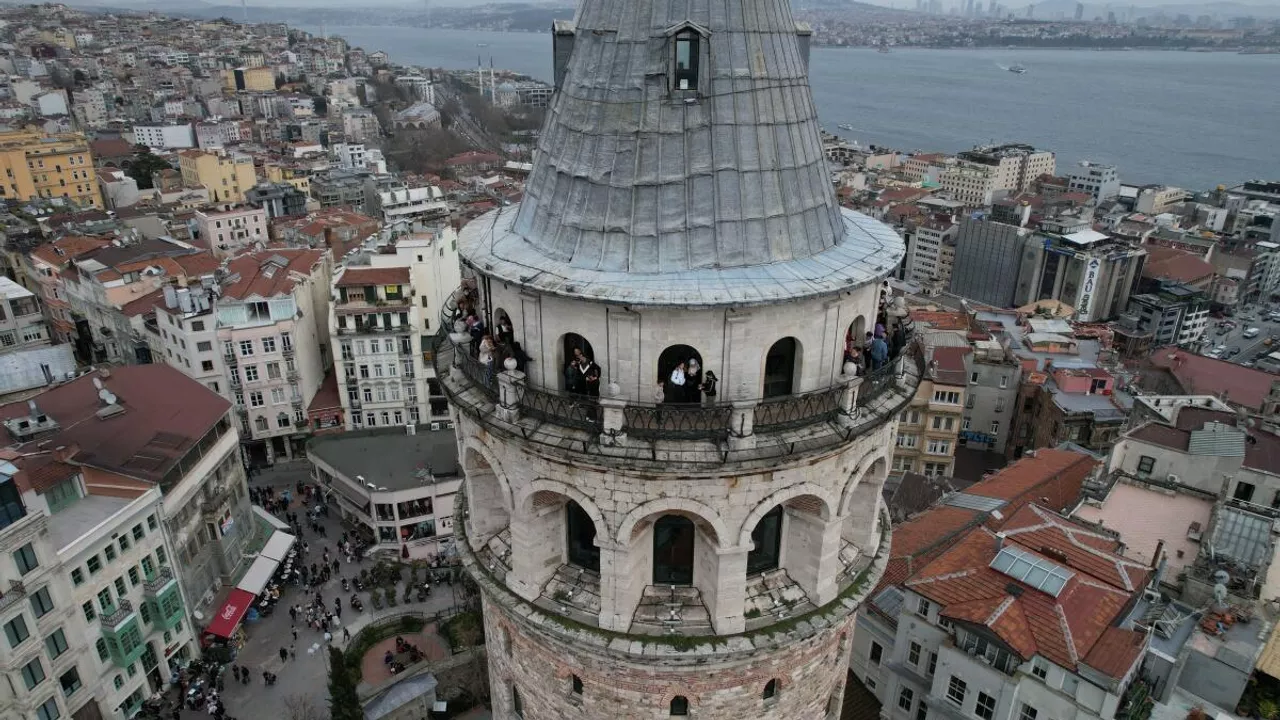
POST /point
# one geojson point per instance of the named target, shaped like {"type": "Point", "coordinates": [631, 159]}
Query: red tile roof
{"type": "Point", "coordinates": [950, 365]}
{"type": "Point", "coordinates": [1178, 265]}
{"type": "Point", "coordinates": [1052, 478]}
{"type": "Point", "coordinates": [44, 472]}
{"type": "Point", "coordinates": [1116, 651]}
{"type": "Point", "coordinates": [143, 304]}
{"type": "Point", "coordinates": [358, 276]}
{"type": "Point", "coordinates": [326, 397]}
{"type": "Point", "coordinates": [65, 249]}
{"type": "Point", "coordinates": [261, 275]}
{"type": "Point", "coordinates": [1064, 629]}
{"type": "Point", "coordinates": [165, 415]}
{"type": "Point", "coordinates": [1200, 375]}
{"type": "Point", "coordinates": [940, 320]}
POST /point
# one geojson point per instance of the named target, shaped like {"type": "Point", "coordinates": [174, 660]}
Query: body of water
{"type": "Point", "coordinates": [1189, 119]}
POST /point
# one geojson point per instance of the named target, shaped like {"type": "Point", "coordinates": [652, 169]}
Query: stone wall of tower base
{"type": "Point", "coordinates": [810, 678]}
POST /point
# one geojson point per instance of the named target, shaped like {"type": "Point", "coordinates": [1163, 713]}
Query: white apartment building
{"type": "Point", "coordinates": [273, 324]}
{"type": "Point", "coordinates": [384, 315]}
{"type": "Point", "coordinates": [189, 334]}
{"type": "Point", "coordinates": [1100, 181]}
{"type": "Point", "coordinates": [164, 137]}
{"type": "Point", "coordinates": [105, 567]}
{"type": "Point", "coordinates": [232, 228]}
{"type": "Point", "coordinates": [391, 200]}
{"type": "Point", "coordinates": [1013, 167]}
{"type": "Point", "coordinates": [933, 251]}
{"type": "Point", "coordinates": [973, 186]}
{"type": "Point", "coordinates": [22, 321]}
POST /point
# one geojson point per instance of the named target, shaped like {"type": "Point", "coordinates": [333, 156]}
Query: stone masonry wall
{"type": "Point", "coordinates": [810, 677]}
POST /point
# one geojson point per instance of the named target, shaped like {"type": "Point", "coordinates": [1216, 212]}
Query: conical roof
{"type": "Point", "coordinates": [644, 189]}
{"type": "Point", "coordinates": [634, 174]}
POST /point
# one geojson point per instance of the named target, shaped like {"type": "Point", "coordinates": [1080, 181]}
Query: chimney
{"type": "Point", "coordinates": [1155, 557]}
{"type": "Point", "coordinates": [999, 540]}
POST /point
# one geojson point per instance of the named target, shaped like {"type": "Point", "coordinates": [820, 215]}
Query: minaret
{"type": "Point", "coordinates": [649, 542]}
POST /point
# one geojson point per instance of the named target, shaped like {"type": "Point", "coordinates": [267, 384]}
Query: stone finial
{"type": "Point", "coordinates": [459, 326]}
{"type": "Point", "coordinates": [850, 369]}
{"type": "Point", "coordinates": [615, 390]}
{"type": "Point", "coordinates": [510, 363]}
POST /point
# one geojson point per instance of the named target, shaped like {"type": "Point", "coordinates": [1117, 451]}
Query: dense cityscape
{"type": "Point", "coordinates": [339, 388]}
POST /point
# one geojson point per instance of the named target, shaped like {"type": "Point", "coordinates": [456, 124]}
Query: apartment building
{"type": "Point", "coordinates": [994, 378]}
{"type": "Point", "coordinates": [1100, 181]}
{"type": "Point", "coordinates": [1175, 314]}
{"type": "Point", "coordinates": [382, 317]}
{"type": "Point", "coordinates": [42, 165]}
{"type": "Point", "coordinates": [46, 268]}
{"type": "Point", "coordinates": [975, 186]}
{"type": "Point", "coordinates": [933, 251]}
{"type": "Point", "coordinates": [227, 177]}
{"type": "Point", "coordinates": [273, 325]}
{"type": "Point", "coordinates": [187, 331]}
{"type": "Point", "coordinates": [229, 229]}
{"type": "Point", "coordinates": [91, 488]}
{"type": "Point", "coordinates": [22, 321]}
{"type": "Point", "coordinates": [410, 507]}
{"type": "Point", "coordinates": [165, 137]}
{"type": "Point", "coordinates": [390, 199]}
{"type": "Point", "coordinates": [1013, 167]}
{"type": "Point", "coordinates": [929, 427]}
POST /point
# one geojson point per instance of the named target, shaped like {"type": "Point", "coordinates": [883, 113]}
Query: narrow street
{"type": "Point", "coordinates": [306, 674]}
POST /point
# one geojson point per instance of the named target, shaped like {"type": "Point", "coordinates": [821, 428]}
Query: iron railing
{"type": "Point", "coordinates": [16, 592]}
{"type": "Point", "coordinates": [484, 376]}
{"type": "Point", "coordinates": [876, 382]}
{"type": "Point", "coordinates": [163, 576]}
{"type": "Point", "coordinates": [118, 615]}
{"type": "Point", "coordinates": [575, 411]}
{"type": "Point", "coordinates": [677, 421]}
{"type": "Point", "coordinates": [787, 413]}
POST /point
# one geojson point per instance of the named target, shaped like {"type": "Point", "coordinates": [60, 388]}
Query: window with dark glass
{"type": "Point", "coordinates": [687, 61]}
{"type": "Point", "coordinates": [673, 550]}
{"type": "Point", "coordinates": [581, 537]}
{"type": "Point", "coordinates": [779, 368]}
{"type": "Point", "coordinates": [766, 539]}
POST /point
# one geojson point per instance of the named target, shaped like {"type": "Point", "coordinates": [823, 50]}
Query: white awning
{"type": "Point", "coordinates": [272, 520]}
{"type": "Point", "coordinates": [278, 546]}
{"type": "Point", "coordinates": [258, 575]}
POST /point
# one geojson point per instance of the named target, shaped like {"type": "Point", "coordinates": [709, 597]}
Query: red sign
{"type": "Point", "coordinates": [232, 611]}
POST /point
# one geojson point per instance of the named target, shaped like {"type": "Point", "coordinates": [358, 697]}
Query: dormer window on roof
{"type": "Point", "coordinates": [1033, 570]}
{"type": "Point", "coordinates": [687, 60]}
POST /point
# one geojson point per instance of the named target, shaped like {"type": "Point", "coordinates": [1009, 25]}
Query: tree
{"type": "Point", "coordinates": [143, 165]}
{"type": "Point", "coordinates": [344, 703]}
{"type": "Point", "coordinates": [301, 707]}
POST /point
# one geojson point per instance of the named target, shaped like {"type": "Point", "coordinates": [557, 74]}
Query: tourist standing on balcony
{"type": "Point", "coordinates": [590, 376]}
{"type": "Point", "coordinates": [573, 380]}
{"type": "Point", "coordinates": [879, 353]}
{"type": "Point", "coordinates": [708, 387]}
{"type": "Point", "coordinates": [486, 356]}
{"type": "Point", "coordinates": [506, 334]}
{"type": "Point", "coordinates": [693, 378]}
{"type": "Point", "coordinates": [675, 387]}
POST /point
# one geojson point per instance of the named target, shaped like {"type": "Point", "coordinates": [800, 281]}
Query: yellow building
{"type": "Point", "coordinates": [226, 176]}
{"type": "Point", "coordinates": [254, 79]}
{"type": "Point", "coordinates": [297, 177]}
{"type": "Point", "coordinates": [929, 428]}
{"type": "Point", "coordinates": [37, 164]}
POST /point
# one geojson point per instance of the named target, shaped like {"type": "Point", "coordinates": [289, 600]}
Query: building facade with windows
{"type": "Point", "coordinates": [382, 320]}
{"type": "Point", "coordinates": [36, 164]}
{"type": "Point", "coordinates": [22, 321]}
{"type": "Point", "coordinates": [124, 500]}
{"type": "Point", "coordinates": [400, 483]}
{"type": "Point", "coordinates": [231, 228]}
{"type": "Point", "coordinates": [273, 325]}
{"type": "Point", "coordinates": [929, 427]}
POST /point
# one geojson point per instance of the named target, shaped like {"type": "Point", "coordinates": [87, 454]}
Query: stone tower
{"type": "Point", "coordinates": [645, 548]}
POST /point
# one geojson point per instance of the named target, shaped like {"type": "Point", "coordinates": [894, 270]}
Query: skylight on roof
{"type": "Point", "coordinates": [1031, 569]}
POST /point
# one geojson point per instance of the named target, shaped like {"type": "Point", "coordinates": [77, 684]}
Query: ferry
{"type": "Point", "coordinates": [1017, 69]}
{"type": "Point", "coordinates": [846, 127]}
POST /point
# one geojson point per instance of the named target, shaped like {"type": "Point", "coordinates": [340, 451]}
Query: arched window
{"type": "Point", "coordinates": [261, 423]}
{"type": "Point", "coordinates": [780, 366]}
{"type": "Point", "coordinates": [673, 537]}
{"type": "Point", "coordinates": [679, 705]}
{"type": "Point", "coordinates": [770, 690]}
{"type": "Point", "coordinates": [575, 349]}
{"type": "Point", "coordinates": [688, 362]}
{"type": "Point", "coordinates": [581, 537]}
{"type": "Point", "coordinates": [766, 539]}
{"type": "Point", "coordinates": [577, 685]}
{"type": "Point", "coordinates": [517, 707]}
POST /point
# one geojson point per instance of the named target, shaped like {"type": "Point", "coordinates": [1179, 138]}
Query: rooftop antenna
{"type": "Point", "coordinates": [244, 8]}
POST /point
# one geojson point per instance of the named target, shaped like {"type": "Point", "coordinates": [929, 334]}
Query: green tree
{"type": "Point", "coordinates": [141, 167]}
{"type": "Point", "coordinates": [344, 703]}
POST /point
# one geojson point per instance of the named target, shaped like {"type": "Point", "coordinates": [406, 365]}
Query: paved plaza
{"type": "Point", "coordinates": [306, 673]}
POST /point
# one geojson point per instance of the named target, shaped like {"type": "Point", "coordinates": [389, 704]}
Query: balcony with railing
{"type": "Point", "coordinates": [710, 433]}
{"type": "Point", "coordinates": [158, 581]}
{"type": "Point", "coordinates": [16, 592]}
{"type": "Point", "coordinates": [117, 616]}
{"type": "Point", "coordinates": [231, 359]}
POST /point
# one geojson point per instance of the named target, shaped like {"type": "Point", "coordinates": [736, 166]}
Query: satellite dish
{"type": "Point", "coordinates": [1220, 594]}
{"type": "Point", "coordinates": [1221, 577]}
{"type": "Point", "coordinates": [107, 397]}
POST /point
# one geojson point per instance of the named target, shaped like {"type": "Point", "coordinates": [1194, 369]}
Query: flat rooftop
{"type": "Point", "coordinates": [390, 458]}
{"type": "Point", "coordinates": [69, 524]}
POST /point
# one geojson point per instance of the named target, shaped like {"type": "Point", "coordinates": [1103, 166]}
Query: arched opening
{"type": "Point", "coordinates": [581, 537]}
{"type": "Point", "coordinates": [503, 328]}
{"type": "Point", "coordinates": [766, 540]}
{"type": "Point", "coordinates": [579, 372]}
{"type": "Point", "coordinates": [486, 497]}
{"type": "Point", "coordinates": [680, 374]}
{"type": "Point", "coordinates": [781, 366]}
{"type": "Point", "coordinates": [855, 342]}
{"type": "Point", "coordinates": [679, 705]}
{"type": "Point", "coordinates": [861, 503]}
{"type": "Point", "coordinates": [517, 706]}
{"type": "Point", "coordinates": [577, 685]}
{"type": "Point", "coordinates": [673, 538]}
{"type": "Point", "coordinates": [770, 690]}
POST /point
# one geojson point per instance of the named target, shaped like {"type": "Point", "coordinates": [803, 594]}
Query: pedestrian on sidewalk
{"type": "Point", "coordinates": [293, 615]}
{"type": "Point", "coordinates": [284, 654]}
{"type": "Point", "coordinates": [295, 634]}
{"type": "Point", "coordinates": [346, 634]}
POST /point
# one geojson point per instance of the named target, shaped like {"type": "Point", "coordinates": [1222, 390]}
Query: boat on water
{"type": "Point", "coordinates": [1017, 69]}
{"type": "Point", "coordinates": [845, 126]}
